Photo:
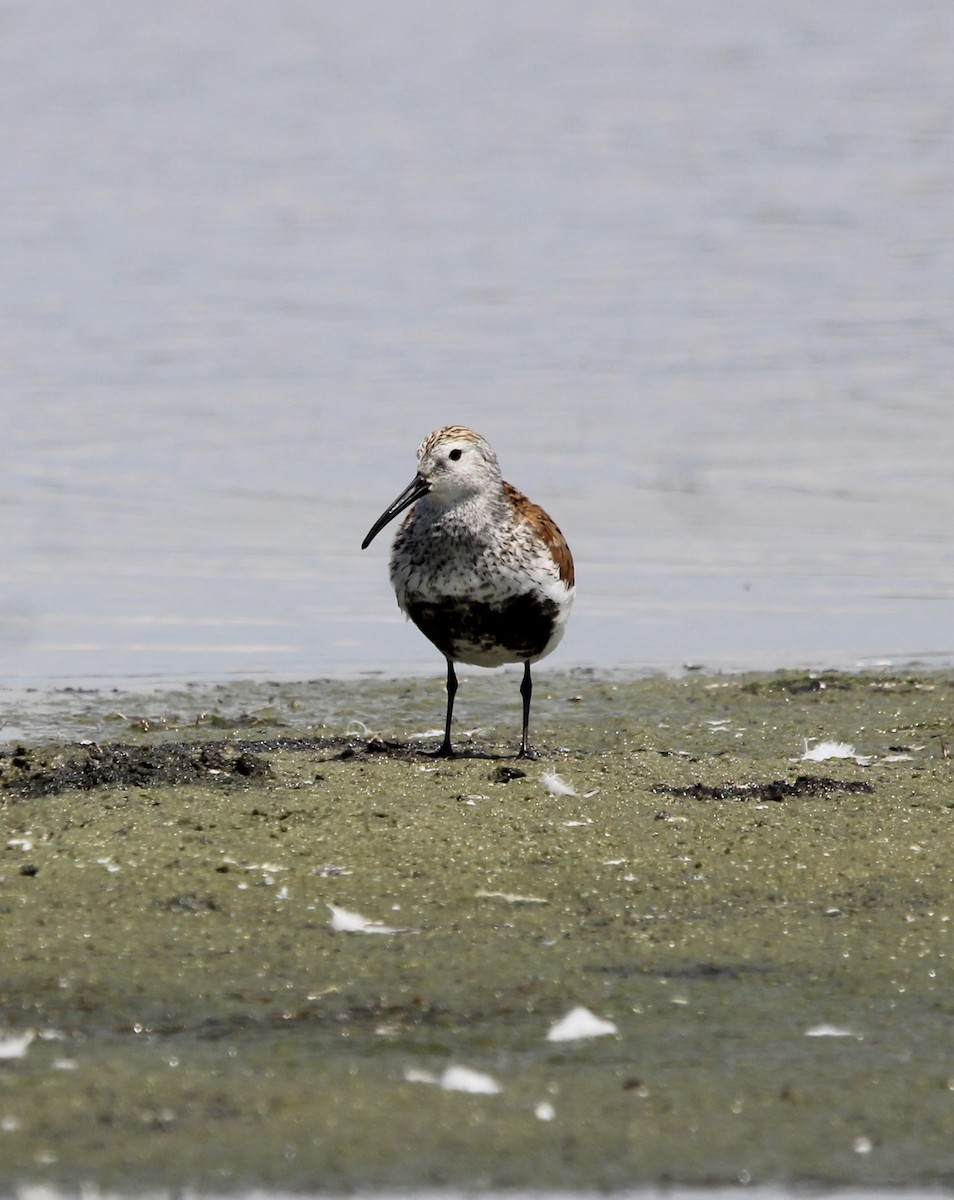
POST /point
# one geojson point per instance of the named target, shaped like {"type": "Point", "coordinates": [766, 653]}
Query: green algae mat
{"type": "Point", "coordinates": [253, 936]}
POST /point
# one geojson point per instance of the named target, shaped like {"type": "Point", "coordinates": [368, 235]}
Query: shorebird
{"type": "Point", "coordinates": [482, 571]}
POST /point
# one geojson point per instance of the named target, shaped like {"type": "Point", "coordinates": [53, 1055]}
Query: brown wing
{"type": "Point", "coordinates": [546, 529]}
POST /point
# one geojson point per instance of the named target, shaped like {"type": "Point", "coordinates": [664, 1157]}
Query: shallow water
{"type": "Point", "coordinates": [690, 272]}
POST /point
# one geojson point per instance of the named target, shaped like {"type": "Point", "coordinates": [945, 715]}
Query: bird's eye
{"type": "Point", "coordinates": [455, 455]}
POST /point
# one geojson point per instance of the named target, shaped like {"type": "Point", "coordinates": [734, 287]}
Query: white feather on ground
{"type": "Point", "coordinates": [345, 921]}
{"type": "Point", "coordinates": [14, 1045]}
{"type": "Point", "coordinates": [579, 1023]}
{"type": "Point", "coordinates": [456, 1079]}
{"type": "Point", "coordinates": [823, 751]}
{"type": "Point", "coordinates": [557, 786]}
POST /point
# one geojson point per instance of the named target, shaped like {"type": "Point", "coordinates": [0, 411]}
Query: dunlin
{"type": "Point", "coordinates": [482, 571]}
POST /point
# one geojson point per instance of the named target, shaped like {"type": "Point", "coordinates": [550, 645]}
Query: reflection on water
{"type": "Point", "coordinates": [690, 271]}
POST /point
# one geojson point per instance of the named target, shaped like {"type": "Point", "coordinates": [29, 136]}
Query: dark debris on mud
{"type": "Point", "coordinates": [798, 683]}
{"type": "Point", "coordinates": [416, 1013]}
{"type": "Point", "coordinates": [31, 773]}
{"type": "Point", "coordinates": [376, 747]}
{"type": "Point", "coordinates": [26, 773]}
{"type": "Point", "coordinates": [774, 790]}
{"type": "Point", "coordinates": [707, 971]}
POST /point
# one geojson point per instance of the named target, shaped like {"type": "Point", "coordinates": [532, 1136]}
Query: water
{"type": "Point", "coordinates": [689, 268]}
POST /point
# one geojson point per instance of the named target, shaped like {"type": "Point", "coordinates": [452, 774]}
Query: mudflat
{"type": "Point", "coordinates": [241, 945]}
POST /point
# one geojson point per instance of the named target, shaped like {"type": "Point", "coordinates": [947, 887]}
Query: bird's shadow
{"type": "Point", "coordinates": [408, 752]}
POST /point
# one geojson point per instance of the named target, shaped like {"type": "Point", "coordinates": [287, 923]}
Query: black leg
{"type": "Point", "coordinates": [446, 751]}
{"type": "Point", "coordinates": [526, 690]}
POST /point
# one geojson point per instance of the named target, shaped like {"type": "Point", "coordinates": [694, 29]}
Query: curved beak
{"type": "Point", "coordinates": [414, 491]}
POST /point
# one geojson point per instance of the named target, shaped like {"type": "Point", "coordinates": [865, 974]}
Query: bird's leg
{"type": "Point", "coordinates": [526, 690]}
{"type": "Point", "coordinates": [446, 750]}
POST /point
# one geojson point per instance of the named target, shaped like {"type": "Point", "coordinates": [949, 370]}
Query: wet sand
{"type": "Point", "coordinates": [770, 936]}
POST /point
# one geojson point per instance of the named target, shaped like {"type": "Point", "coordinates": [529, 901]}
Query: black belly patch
{"type": "Point", "coordinates": [523, 625]}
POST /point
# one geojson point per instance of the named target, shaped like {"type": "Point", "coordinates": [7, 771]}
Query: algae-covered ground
{"type": "Point", "coordinates": [768, 934]}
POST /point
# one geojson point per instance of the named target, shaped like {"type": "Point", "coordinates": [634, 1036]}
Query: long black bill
{"type": "Point", "coordinates": [414, 491]}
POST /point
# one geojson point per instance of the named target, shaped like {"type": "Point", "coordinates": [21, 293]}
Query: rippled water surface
{"type": "Point", "coordinates": [689, 268]}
